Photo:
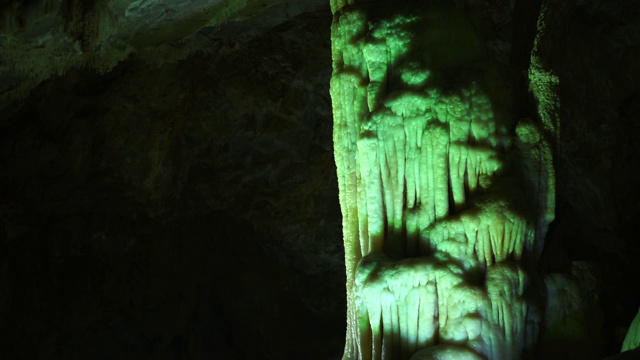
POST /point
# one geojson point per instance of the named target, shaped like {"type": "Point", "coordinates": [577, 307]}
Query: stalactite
{"type": "Point", "coordinates": [431, 201]}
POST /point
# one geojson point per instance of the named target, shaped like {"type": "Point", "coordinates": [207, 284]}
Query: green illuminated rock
{"type": "Point", "coordinates": [445, 199]}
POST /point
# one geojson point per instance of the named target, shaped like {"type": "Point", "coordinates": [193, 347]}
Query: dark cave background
{"type": "Point", "coordinates": [183, 204]}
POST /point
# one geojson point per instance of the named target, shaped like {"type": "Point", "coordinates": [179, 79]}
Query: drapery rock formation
{"type": "Point", "coordinates": [446, 199]}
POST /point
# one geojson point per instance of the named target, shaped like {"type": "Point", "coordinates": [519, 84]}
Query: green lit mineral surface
{"type": "Point", "coordinates": [437, 218]}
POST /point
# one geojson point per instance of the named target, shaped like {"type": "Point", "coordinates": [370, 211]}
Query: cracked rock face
{"type": "Point", "coordinates": [444, 206]}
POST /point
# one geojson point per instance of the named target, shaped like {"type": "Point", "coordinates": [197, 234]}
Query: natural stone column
{"type": "Point", "coordinates": [445, 197]}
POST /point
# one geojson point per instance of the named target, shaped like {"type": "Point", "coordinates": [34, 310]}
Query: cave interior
{"type": "Point", "coordinates": [158, 162]}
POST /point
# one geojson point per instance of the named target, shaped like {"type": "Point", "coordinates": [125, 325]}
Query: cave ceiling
{"type": "Point", "coordinates": [43, 38]}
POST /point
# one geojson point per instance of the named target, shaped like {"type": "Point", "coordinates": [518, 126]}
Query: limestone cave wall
{"type": "Point", "coordinates": [174, 196]}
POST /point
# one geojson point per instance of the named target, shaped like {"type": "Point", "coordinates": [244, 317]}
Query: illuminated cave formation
{"type": "Point", "coordinates": [169, 181]}
{"type": "Point", "coordinates": [445, 198]}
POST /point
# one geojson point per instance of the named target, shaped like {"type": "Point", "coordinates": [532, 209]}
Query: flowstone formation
{"type": "Point", "coordinates": [445, 197]}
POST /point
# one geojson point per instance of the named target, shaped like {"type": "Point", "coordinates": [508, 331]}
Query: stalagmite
{"type": "Point", "coordinates": [441, 225]}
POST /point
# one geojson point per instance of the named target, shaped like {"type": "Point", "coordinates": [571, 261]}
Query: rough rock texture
{"type": "Point", "coordinates": [174, 197]}
{"type": "Point", "coordinates": [42, 38]}
{"type": "Point", "coordinates": [176, 209]}
{"type": "Point", "coordinates": [598, 190]}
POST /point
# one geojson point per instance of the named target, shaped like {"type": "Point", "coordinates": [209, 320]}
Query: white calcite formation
{"type": "Point", "coordinates": [445, 200]}
{"type": "Point", "coordinates": [412, 304]}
